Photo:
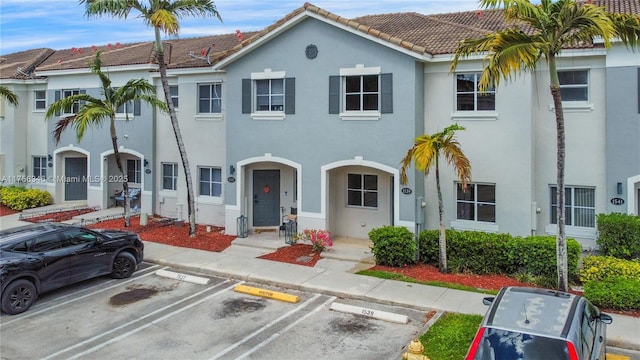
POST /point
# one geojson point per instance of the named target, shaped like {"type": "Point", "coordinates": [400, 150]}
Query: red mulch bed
{"type": "Point", "coordinates": [6, 211]}
{"type": "Point", "coordinates": [59, 216]}
{"type": "Point", "coordinates": [165, 232]}
{"type": "Point", "coordinates": [299, 254]}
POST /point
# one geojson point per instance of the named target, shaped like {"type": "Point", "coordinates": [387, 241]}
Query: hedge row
{"type": "Point", "coordinates": [20, 198]}
{"type": "Point", "coordinates": [619, 235]}
{"type": "Point", "coordinates": [476, 252]}
{"type": "Point", "coordinates": [611, 283]}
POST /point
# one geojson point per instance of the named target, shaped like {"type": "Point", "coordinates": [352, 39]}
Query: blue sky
{"type": "Point", "coordinates": [61, 24]}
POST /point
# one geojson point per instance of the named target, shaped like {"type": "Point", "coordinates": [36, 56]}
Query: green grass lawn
{"type": "Point", "coordinates": [449, 338]}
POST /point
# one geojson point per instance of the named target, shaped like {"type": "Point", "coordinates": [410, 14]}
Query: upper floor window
{"type": "Point", "coordinates": [574, 85]}
{"type": "Point", "coordinates": [469, 97]}
{"type": "Point", "coordinates": [40, 167]}
{"type": "Point", "coordinates": [361, 93]}
{"type": "Point", "coordinates": [169, 176]}
{"type": "Point", "coordinates": [76, 105]}
{"type": "Point", "coordinates": [40, 99]}
{"type": "Point", "coordinates": [125, 110]}
{"type": "Point", "coordinates": [210, 181]}
{"type": "Point", "coordinates": [268, 95]}
{"type": "Point", "coordinates": [134, 171]}
{"type": "Point", "coordinates": [210, 98]}
{"type": "Point", "coordinates": [477, 203]}
{"type": "Point", "coordinates": [173, 91]}
{"type": "Point", "coordinates": [362, 190]}
{"type": "Point", "coordinates": [580, 206]}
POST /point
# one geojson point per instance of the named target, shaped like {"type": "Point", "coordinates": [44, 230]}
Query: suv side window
{"type": "Point", "coordinates": [78, 237]}
{"type": "Point", "coordinates": [587, 330]}
{"type": "Point", "coordinates": [46, 242]}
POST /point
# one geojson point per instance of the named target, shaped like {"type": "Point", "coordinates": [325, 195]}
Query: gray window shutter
{"type": "Point", "coordinates": [290, 96]}
{"type": "Point", "coordinates": [81, 103]}
{"type": "Point", "coordinates": [136, 107]}
{"type": "Point", "coordinates": [334, 94]}
{"type": "Point", "coordinates": [57, 96]}
{"type": "Point", "coordinates": [246, 96]}
{"type": "Point", "coordinates": [386, 93]}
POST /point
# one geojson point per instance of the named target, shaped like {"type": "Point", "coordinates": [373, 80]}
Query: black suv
{"type": "Point", "coordinates": [530, 323]}
{"type": "Point", "coordinates": [41, 257]}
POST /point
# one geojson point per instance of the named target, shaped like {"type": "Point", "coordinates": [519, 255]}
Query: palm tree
{"type": "Point", "coordinates": [543, 30]}
{"type": "Point", "coordinates": [93, 112]}
{"type": "Point", "coordinates": [426, 152]}
{"type": "Point", "coordinates": [163, 16]}
{"type": "Point", "coordinates": [11, 97]}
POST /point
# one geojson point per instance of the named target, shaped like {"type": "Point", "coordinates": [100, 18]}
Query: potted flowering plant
{"type": "Point", "coordinates": [320, 239]}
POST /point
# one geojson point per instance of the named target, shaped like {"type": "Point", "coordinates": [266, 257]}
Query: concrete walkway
{"type": "Point", "coordinates": [333, 275]}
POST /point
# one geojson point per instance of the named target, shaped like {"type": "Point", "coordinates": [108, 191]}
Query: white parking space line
{"type": "Point", "coordinates": [286, 329]}
{"type": "Point", "coordinates": [32, 313]}
{"type": "Point", "coordinates": [265, 327]}
{"type": "Point", "coordinates": [117, 338]}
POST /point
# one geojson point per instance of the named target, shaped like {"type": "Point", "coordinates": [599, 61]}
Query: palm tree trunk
{"type": "Point", "coordinates": [176, 131]}
{"type": "Point", "coordinates": [125, 184]}
{"type": "Point", "coordinates": [561, 241]}
{"type": "Point", "coordinates": [442, 240]}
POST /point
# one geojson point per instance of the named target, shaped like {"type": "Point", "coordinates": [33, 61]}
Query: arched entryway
{"type": "Point", "coordinates": [71, 174]}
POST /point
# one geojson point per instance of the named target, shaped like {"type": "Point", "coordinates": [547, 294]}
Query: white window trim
{"type": "Point", "coordinates": [207, 116]}
{"type": "Point", "coordinates": [162, 164]}
{"type": "Point", "coordinates": [481, 115]}
{"type": "Point", "coordinates": [35, 101]}
{"type": "Point", "coordinates": [577, 106]}
{"type": "Point", "coordinates": [358, 70]}
{"type": "Point", "coordinates": [73, 92]}
{"type": "Point", "coordinates": [171, 97]}
{"type": "Point", "coordinates": [210, 199]}
{"type": "Point", "coordinates": [573, 231]}
{"type": "Point", "coordinates": [475, 225]}
{"type": "Point", "coordinates": [362, 191]}
{"type": "Point", "coordinates": [267, 74]}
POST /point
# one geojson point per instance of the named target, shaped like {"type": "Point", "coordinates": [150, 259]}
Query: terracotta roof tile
{"type": "Point", "coordinates": [423, 34]}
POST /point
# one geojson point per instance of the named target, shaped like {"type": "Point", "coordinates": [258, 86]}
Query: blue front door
{"type": "Point", "coordinates": [75, 173]}
{"type": "Point", "coordinates": [266, 197]}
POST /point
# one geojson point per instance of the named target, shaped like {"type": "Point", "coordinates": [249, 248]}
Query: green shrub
{"type": "Point", "coordinates": [618, 293]}
{"type": "Point", "coordinates": [20, 198]}
{"type": "Point", "coordinates": [488, 253]}
{"type": "Point", "coordinates": [393, 246]}
{"type": "Point", "coordinates": [599, 268]}
{"type": "Point", "coordinates": [619, 235]}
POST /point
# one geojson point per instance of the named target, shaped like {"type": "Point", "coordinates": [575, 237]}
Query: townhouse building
{"type": "Point", "coordinates": [313, 114]}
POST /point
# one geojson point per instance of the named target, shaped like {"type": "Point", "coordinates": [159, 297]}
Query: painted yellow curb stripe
{"type": "Point", "coordinates": [617, 357]}
{"type": "Point", "coordinates": [267, 293]}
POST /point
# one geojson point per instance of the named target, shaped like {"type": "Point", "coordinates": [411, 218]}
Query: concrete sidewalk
{"type": "Point", "coordinates": [334, 275]}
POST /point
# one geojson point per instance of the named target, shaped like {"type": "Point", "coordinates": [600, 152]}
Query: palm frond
{"type": "Point", "coordinates": [197, 8]}
{"type": "Point", "coordinates": [11, 97]}
{"type": "Point", "coordinates": [166, 21]}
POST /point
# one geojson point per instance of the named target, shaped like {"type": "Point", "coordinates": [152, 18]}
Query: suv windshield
{"type": "Point", "coordinates": [509, 345]}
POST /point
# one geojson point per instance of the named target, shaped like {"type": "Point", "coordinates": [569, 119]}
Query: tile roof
{"type": "Point", "coordinates": [422, 34]}
{"type": "Point", "coordinates": [20, 65]}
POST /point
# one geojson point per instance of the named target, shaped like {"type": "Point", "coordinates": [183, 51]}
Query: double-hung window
{"type": "Point", "coordinates": [76, 105]}
{"type": "Point", "coordinates": [40, 99]}
{"type": "Point", "coordinates": [169, 176]}
{"type": "Point", "coordinates": [469, 97]}
{"type": "Point", "coordinates": [574, 85]}
{"type": "Point", "coordinates": [125, 110]}
{"type": "Point", "coordinates": [210, 98]}
{"type": "Point", "coordinates": [40, 167]}
{"type": "Point", "coordinates": [134, 171]}
{"type": "Point", "coordinates": [477, 203]}
{"type": "Point", "coordinates": [362, 190]}
{"type": "Point", "coordinates": [268, 95]}
{"type": "Point", "coordinates": [579, 206]}
{"type": "Point", "coordinates": [210, 180]}
{"type": "Point", "coordinates": [173, 92]}
{"type": "Point", "coordinates": [361, 93]}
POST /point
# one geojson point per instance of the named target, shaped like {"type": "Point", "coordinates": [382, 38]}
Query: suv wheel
{"type": "Point", "coordinates": [123, 265]}
{"type": "Point", "coordinates": [18, 297]}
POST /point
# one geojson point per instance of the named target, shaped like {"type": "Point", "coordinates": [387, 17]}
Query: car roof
{"type": "Point", "coordinates": [22, 233]}
{"type": "Point", "coordinates": [534, 311]}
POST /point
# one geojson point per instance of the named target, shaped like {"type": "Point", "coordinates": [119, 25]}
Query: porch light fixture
{"type": "Point", "coordinates": [232, 169]}
{"type": "Point", "coordinates": [619, 188]}
{"type": "Point", "coordinates": [146, 163]}
{"type": "Point", "coordinates": [49, 157]}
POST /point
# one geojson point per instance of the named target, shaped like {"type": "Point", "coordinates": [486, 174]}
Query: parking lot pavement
{"type": "Point", "coordinates": [154, 317]}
